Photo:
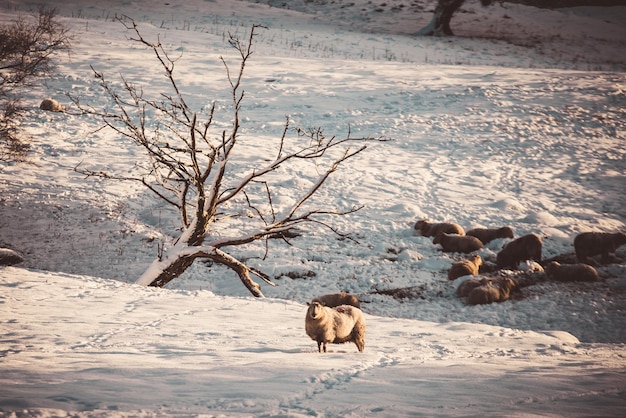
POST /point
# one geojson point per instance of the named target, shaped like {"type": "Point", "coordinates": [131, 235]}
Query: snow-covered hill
{"type": "Point", "coordinates": [82, 346]}
{"type": "Point", "coordinates": [519, 122]}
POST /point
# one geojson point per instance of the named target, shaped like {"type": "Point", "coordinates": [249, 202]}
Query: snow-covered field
{"type": "Point", "coordinates": [519, 121]}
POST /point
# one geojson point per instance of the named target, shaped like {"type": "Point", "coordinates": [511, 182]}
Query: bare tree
{"type": "Point", "coordinates": [189, 167]}
{"type": "Point", "coordinates": [26, 50]}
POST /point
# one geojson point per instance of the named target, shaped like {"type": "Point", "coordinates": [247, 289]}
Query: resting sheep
{"type": "Point", "coordinates": [589, 244]}
{"type": "Point", "coordinates": [486, 235]}
{"type": "Point", "coordinates": [497, 290]}
{"type": "Point", "coordinates": [428, 229]}
{"type": "Point", "coordinates": [467, 267]}
{"type": "Point", "coordinates": [9, 257]}
{"type": "Point", "coordinates": [452, 243]}
{"type": "Point", "coordinates": [338, 325]}
{"type": "Point", "coordinates": [523, 248]}
{"type": "Point", "coordinates": [571, 272]}
{"type": "Point", "coordinates": [51, 105]}
{"type": "Point", "coordinates": [337, 299]}
{"type": "Point", "coordinates": [466, 286]}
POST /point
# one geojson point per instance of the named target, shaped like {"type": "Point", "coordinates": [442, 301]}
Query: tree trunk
{"type": "Point", "coordinates": [172, 271]}
{"type": "Point", "coordinates": [175, 261]}
{"type": "Point", "coordinates": [161, 272]}
{"type": "Point", "coordinates": [440, 23]}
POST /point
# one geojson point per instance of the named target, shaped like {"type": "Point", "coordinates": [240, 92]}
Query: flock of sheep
{"type": "Point", "coordinates": [337, 318]}
{"type": "Point", "coordinates": [497, 288]}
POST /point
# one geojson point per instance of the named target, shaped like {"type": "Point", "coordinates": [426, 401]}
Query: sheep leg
{"type": "Point", "coordinates": [358, 336]}
{"type": "Point", "coordinates": [605, 257]}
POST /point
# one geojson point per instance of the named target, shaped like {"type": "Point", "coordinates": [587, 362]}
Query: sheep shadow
{"type": "Point", "coordinates": [313, 350]}
{"type": "Point", "coordinates": [270, 350]}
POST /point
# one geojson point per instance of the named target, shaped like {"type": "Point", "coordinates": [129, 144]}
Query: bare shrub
{"type": "Point", "coordinates": [26, 50]}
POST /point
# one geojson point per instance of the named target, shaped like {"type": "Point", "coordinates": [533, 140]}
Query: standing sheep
{"type": "Point", "coordinates": [468, 267]}
{"type": "Point", "coordinates": [333, 300]}
{"type": "Point", "coordinates": [571, 272]}
{"type": "Point", "coordinates": [486, 235]}
{"type": "Point", "coordinates": [428, 229]}
{"type": "Point", "coordinates": [523, 248]}
{"type": "Point", "coordinates": [589, 244]}
{"type": "Point", "coordinates": [338, 325]}
{"type": "Point", "coordinates": [452, 243]}
{"type": "Point", "coordinates": [497, 290]}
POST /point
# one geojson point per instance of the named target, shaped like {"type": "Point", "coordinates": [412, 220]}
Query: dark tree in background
{"type": "Point", "coordinates": [26, 50]}
{"type": "Point", "coordinates": [440, 23]}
